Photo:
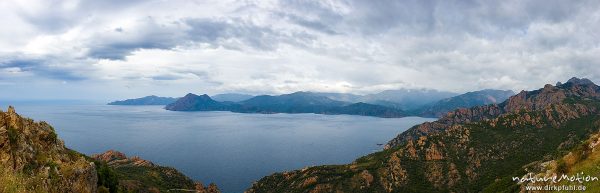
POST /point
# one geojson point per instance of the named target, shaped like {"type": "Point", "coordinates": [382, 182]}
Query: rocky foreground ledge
{"type": "Point", "coordinates": [139, 175]}
{"type": "Point", "coordinates": [34, 159]}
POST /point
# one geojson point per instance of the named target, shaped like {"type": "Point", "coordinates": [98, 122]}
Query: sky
{"type": "Point", "coordinates": [113, 49]}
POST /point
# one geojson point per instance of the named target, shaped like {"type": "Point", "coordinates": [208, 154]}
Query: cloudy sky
{"type": "Point", "coordinates": [74, 49]}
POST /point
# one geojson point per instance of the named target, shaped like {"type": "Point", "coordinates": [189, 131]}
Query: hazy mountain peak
{"type": "Point", "coordinates": [407, 99]}
{"type": "Point", "coordinates": [190, 95]}
{"type": "Point", "coordinates": [300, 93]}
{"type": "Point", "coordinates": [192, 102]}
{"type": "Point", "coordinates": [466, 100]}
{"type": "Point", "coordinates": [582, 81]}
{"type": "Point", "coordinates": [232, 97]}
{"type": "Point", "coordinates": [147, 100]}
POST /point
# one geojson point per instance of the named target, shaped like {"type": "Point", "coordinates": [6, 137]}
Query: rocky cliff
{"type": "Point", "coordinates": [468, 150]}
{"type": "Point", "coordinates": [33, 159]}
{"type": "Point", "coordinates": [583, 161]}
{"type": "Point", "coordinates": [138, 175]}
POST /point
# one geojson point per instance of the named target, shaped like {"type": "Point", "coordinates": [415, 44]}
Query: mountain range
{"type": "Point", "coordinates": [389, 104]}
{"type": "Point", "coordinates": [231, 97]}
{"type": "Point", "coordinates": [404, 99]}
{"type": "Point", "coordinates": [469, 99]}
{"type": "Point", "coordinates": [298, 102]}
{"type": "Point", "coordinates": [407, 99]}
{"type": "Point", "coordinates": [147, 100]}
{"type": "Point", "coordinates": [546, 132]}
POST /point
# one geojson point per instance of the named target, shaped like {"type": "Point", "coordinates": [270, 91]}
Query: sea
{"type": "Point", "coordinates": [229, 149]}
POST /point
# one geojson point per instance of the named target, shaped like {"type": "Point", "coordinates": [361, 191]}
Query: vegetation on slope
{"type": "Point", "coordinates": [34, 159]}
{"type": "Point", "coordinates": [120, 173]}
{"type": "Point", "coordinates": [469, 150]}
{"type": "Point", "coordinates": [298, 102]}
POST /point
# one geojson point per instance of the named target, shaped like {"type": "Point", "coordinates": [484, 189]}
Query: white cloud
{"type": "Point", "coordinates": [111, 49]}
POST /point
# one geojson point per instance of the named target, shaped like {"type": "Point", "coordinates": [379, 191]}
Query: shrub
{"type": "Point", "coordinates": [103, 189]}
{"type": "Point", "coordinates": [107, 178]}
{"type": "Point", "coordinates": [13, 136]}
{"type": "Point", "coordinates": [561, 167]}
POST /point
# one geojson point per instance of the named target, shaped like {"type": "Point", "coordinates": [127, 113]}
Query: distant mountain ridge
{"type": "Point", "coordinates": [345, 97]}
{"type": "Point", "coordinates": [407, 99]}
{"type": "Point", "coordinates": [232, 97]}
{"type": "Point", "coordinates": [467, 100]}
{"type": "Point", "coordinates": [147, 100]}
{"type": "Point", "coordinates": [365, 109]}
{"type": "Point", "coordinates": [404, 99]}
{"type": "Point", "coordinates": [298, 102]}
{"type": "Point", "coordinates": [192, 102]}
{"type": "Point", "coordinates": [390, 103]}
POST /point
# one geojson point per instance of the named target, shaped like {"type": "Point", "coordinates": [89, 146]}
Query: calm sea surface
{"type": "Point", "coordinates": [229, 149]}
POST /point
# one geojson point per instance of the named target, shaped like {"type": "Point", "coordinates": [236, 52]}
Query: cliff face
{"type": "Point", "coordinates": [567, 99]}
{"type": "Point", "coordinates": [583, 160]}
{"type": "Point", "coordinates": [138, 175]}
{"type": "Point", "coordinates": [33, 159]}
{"type": "Point", "coordinates": [468, 150]}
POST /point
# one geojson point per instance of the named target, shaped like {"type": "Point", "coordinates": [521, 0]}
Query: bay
{"type": "Point", "coordinates": [230, 149]}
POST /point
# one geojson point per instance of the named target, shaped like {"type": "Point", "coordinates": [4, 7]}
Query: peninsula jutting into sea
{"type": "Point", "coordinates": [331, 103]}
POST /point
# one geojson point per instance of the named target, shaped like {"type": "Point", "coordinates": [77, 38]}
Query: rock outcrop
{"type": "Point", "coordinates": [117, 159]}
{"type": "Point", "coordinates": [469, 150]}
{"type": "Point", "coordinates": [34, 159]}
{"type": "Point", "coordinates": [138, 175]}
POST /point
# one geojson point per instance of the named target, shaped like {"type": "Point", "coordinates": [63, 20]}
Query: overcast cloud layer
{"type": "Point", "coordinates": [114, 49]}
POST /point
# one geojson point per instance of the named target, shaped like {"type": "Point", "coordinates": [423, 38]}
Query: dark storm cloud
{"type": "Point", "coordinates": [41, 67]}
{"type": "Point", "coordinates": [315, 24]}
{"type": "Point", "coordinates": [212, 31]}
{"type": "Point", "coordinates": [313, 15]}
{"type": "Point", "coordinates": [430, 16]}
{"type": "Point", "coordinates": [118, 43]}
{"type": "Point", "coordinates": [119, 50]}
{"type": "Point", "coordinates": [416, 17]}
{"type": "Point", "coordinates": [153, 35]}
